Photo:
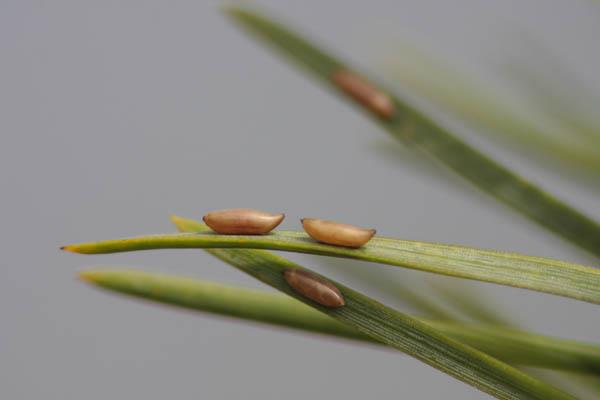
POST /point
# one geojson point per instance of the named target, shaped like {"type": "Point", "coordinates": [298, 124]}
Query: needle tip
{"type": "Point", "coordinates": [86, 276]}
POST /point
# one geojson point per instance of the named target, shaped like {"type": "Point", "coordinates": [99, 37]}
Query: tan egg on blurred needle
{"type": "Point", "coordinates": [365, 93]}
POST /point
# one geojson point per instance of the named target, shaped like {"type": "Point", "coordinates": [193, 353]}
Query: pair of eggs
{"type": "Point", "coordinates": [254, 222]}
{"type": "Point", "coordinates": [246, 221]}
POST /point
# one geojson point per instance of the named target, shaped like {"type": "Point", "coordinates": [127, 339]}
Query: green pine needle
{"type": "Point", "coordinates": [534, 273]}
{"type": "Point", "coordinates": [511, 346]}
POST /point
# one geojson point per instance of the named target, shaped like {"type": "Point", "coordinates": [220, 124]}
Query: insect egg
{"type": "Point", "coordinates": [314, 287]}
{"type": "Point", "coordinates": [242, 221]}
{"type": "Point", "coordinates": [337, 234]}
{"type": "Point", "coordinates": [365, 93]}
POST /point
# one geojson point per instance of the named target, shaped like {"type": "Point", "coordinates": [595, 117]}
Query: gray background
{"type": "Point", "coordinates": [115, 114]}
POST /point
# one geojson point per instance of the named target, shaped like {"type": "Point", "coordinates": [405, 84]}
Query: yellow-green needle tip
{"type": "Point", "coordinates": [90, 276]}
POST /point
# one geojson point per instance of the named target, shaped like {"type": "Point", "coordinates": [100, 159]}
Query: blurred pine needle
{"type": "Point", "coordinates": [536, 121]}
{"type": "Point", "coordinates": [512, 346]}
{"type": "Point", "coordinates": [421, 133]}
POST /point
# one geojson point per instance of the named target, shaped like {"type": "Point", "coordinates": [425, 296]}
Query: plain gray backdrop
{"type": "Point", "coordinates": [116, 114]}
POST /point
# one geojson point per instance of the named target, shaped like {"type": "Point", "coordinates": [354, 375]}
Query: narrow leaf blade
{"type": "Point", "coordinates": [276, 309]}
{"type": "Point", "coordinates": [418, 131]}
{"type": "Point", "coordinates": [534, 273]}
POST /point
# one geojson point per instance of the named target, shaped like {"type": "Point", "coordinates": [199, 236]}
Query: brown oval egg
{"type": "Point", "coordinates": [365, 93]}
{"type": "Point", "coordinates": [242, 221]}
{"type": "Point", "coordinates": [314, 287]}
{"type": "Point", "coordinates": [337, 234]}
